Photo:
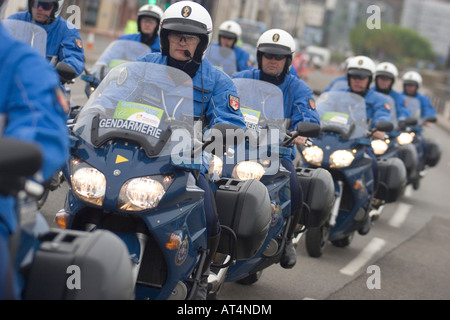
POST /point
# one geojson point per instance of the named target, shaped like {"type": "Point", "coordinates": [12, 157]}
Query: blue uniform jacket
{"type": "Point", "coordinates": [63, 41]}
{"type": "Point", "coordinates": [213, 90]}
{"type": "Point", "coordinates": [137, 37]}
{"type": "Point", "coordinates": [400, 105]}
{"type": "Point", "coordinates": [243, 59]}
{"type": "Point", "coordinates": [377, 108]}
{"type": "Point", "coordinates": [29, 101]}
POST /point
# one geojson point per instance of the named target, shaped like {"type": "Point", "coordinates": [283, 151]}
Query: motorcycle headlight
{"type": "Point", "coordinates": [248, 170]}
{"type": "Point", "coordinates": [216, 166]}
{"type": "Point", "coordinates": [405, 138]}
{"type": "Point", "coordinates": [88, 183]}
{"type": "Point", "coordinates": [341, 159]}
{"type": "Point", "coordinates": [143, 193]}
{"type": "Point", "coordinates": [379, 146]}
{"type": "Point", "coordinates": [313, 155]}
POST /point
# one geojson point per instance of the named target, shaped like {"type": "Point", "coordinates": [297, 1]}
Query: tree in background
{"type": "Point", "coordinates": [401, 45]}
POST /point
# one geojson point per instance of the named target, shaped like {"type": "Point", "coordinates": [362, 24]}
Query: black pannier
{"type": "Point", "coordinates": [318, 196]}
{"type": "Point", "coordinates": [392, 180]}
{"type": "Point", "coordinates": [243, 206]}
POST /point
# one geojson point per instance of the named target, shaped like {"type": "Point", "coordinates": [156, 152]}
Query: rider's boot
{"type": "Point", "coordinates": [202, 288]}
{"type": "Point", "coordinates": [366, 227]}
{"type": "Point", "coordinates": [289, 257]}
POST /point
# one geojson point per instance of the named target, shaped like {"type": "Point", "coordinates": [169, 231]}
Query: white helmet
{"type": "Point", "coordinates": [230, 29]}
{"type": "Point", "coordinates": [361, 65]}
{"type": "Point", "coordinates": [386, 69]}
{"type": "Point", "coordinates": [187, 17]}
{"type": "Point", "coordinates": [151, 11]}
{"type": "Point", "coordinates": [276, 41]}
{"type": "Point", "coordinates": [412, 77]}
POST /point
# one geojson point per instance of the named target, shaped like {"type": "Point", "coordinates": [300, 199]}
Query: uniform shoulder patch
{"type": "Point", "coordinates": [234, 103]}
{"type": "Point", "coordinates": [79, 43]}
{"type": "Point", "coordinates": [312, 104]}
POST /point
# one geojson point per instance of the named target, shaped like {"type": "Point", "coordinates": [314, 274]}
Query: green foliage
{"type": "Point", "coordinates": [395, 43]}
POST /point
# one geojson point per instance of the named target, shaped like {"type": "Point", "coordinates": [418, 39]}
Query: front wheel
{"type": "Point", "coordinates": [316, 240]}
{"type": "Point", "coordinates": [251, 278]}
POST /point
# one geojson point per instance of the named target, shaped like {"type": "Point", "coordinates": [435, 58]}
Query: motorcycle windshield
{"type": "Point", "coordinates": [393, 109]}
{"type": "Point", "coordinates": [344, 113]}
{"type": "Point", "coordinates": [222, 58]}
{"type": "Point", "coordinates": [413, 104]}
{"type": "Point", "coordinates": [143, 103]}
{"type": "Point", "coordinates": [338, 85]}
{"type": "Point", "coordinates": [29, 33]}
{"type": "Point", "coordinates": [261, 106]}
{"type": "Point", "coordinates": [118, 52]}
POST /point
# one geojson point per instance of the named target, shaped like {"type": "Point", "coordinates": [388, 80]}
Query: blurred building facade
{"type": "Point", "coordinates": [312, 22]}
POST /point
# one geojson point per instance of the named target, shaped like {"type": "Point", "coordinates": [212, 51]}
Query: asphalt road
{"type": "Point", "coordinates": [406, 255]}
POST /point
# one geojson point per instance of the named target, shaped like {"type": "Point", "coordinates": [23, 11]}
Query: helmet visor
{"type": "Point", "coordinates": [185, 26]}
{"type": "Point", "coordinates": [359, 72]}
{"type": "Point", "coordinates": [275, 49]}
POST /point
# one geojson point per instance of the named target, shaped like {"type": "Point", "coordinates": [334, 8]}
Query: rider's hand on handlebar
{"type": "Point", "coordinates": [300, 141]}
{"type": "Point", "coordinates": [378, 134]}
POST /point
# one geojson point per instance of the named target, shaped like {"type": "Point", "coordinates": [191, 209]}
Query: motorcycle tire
{"type": "Point", "coordinates": [344, 242]}
{"type": "Point", "coordinates": [251, 278]}
{"type": "Point", "coordinates": [316, 240]}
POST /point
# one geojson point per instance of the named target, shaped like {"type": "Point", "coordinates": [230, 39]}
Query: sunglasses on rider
{"type": "Point", "coordinates": [358, 76]}
{"type": "Point", "coordinates": [44, 5]}
{"type": "Point", "coordinates": [188, 38]}
{"type": "Point", "coordinates": [277, 57]}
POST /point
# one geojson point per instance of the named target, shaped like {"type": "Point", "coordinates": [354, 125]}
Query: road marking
{"type": "Point", "coordinates": [375, 245]}
{"type": "Point", "coordinates": [400, 215]}
{"type": "Point", "coordinates": [408, 191]}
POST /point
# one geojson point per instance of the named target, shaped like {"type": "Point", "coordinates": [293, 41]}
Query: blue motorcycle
{"type": "Point", "coordinates": [428, 150]}
{"type": "Point", "coordinates": [397, 145]}
{"type": "Point", "coordinates": [341, 149]}
{"type": "Point", "coordinates": [53, 264]}
{"type": "Point", "coordinates": [259, 158]}
{"type": "Point", "coordinates": [137, 151]}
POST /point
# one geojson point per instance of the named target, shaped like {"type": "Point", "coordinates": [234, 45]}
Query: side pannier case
{"type": "Point", "coordinates": [392, 180]}
{"type": "Point", "coordinates": [96, 264]}
{"type": "Point", "coordinates": [244, 207]}
{"type": "Point", "coordinates": [318, 196]}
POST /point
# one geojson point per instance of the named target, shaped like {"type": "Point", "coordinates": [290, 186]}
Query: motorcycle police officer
{"type": "Point", "coordinates": [63, 38]}
{"type": "Point", "coordinates": [385, 75]}
{"type": "Point", "coordinates": [275, 50]}
{"type": "Point", "coordinates": [186, 32]}
{"type": "Point", "coordinates": [148, 20]}
{"type": "Point", "coordinates": [412, 81]}
{"type": "Point", "coordinates": [31, 109]}
{"type": "Point", "coordinates": [360, 71]}
{"type": "Point", "coordinates": [229, 34]}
